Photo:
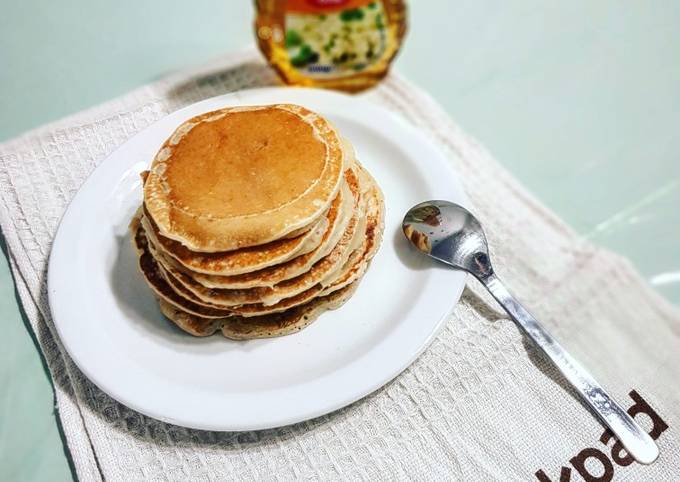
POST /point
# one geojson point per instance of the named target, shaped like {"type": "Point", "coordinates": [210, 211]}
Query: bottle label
{"type": "Point", "coordinates": [332, 38]}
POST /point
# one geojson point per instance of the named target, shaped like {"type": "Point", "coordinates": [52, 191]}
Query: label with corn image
{"type": "Point", "coordinates": [345, 44]}
{"type": "Point", "coordinates": [340, 42]}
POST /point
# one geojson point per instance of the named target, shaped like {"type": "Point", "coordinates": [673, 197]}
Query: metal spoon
{"type": "Point", "coordinates": [450, 233]}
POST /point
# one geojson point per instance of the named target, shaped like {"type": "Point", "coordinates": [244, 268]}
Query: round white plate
{"type": "Point", "coordinates": [109, 322]}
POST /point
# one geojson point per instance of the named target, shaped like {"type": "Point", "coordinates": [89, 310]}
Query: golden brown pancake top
{"type": "Point", "coordinates": [245, 163]}
{"type": "Point", "coordinates": [244, 176]}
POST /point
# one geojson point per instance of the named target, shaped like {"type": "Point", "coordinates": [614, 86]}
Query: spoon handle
{"type": "Point", "coordinates": [638, 443]}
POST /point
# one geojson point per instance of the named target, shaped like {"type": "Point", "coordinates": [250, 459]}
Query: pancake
{"type": "Point", "coordinates": [338, 218]}
{"type": "Point", "coordinates": [245, 260]}
{"type": "Point", "coordinates": [268, 326]}
{"type": "Point", "coordinates": [192, 324]}
{"type": "Point", "coordinates": [157, 282]}
{"type": "Point", "coordinates": [244, 176]}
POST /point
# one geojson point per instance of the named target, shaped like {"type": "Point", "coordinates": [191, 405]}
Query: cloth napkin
{"type": "Point", "coordinates": [480, 404]}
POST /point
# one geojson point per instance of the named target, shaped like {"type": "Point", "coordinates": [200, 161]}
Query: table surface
{"type": "Point", "coordinates": [579, 99]}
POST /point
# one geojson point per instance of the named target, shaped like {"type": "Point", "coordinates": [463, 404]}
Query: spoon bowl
{"type": "Point", "coordinates": [449, 233]}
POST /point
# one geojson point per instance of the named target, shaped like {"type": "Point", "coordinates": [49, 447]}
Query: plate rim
{"type": "Point", "coordinates": [340, 402]}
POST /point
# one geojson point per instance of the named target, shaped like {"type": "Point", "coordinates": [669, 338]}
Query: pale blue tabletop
{"type": "Point", "coordinates": [579, 99]}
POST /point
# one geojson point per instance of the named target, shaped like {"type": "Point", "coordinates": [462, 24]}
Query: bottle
{"type": "Point", "coordinates": [338, 44]}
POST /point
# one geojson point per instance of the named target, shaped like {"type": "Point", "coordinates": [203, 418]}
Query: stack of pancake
{"type": "Point", "coordinates": [255, 220]}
